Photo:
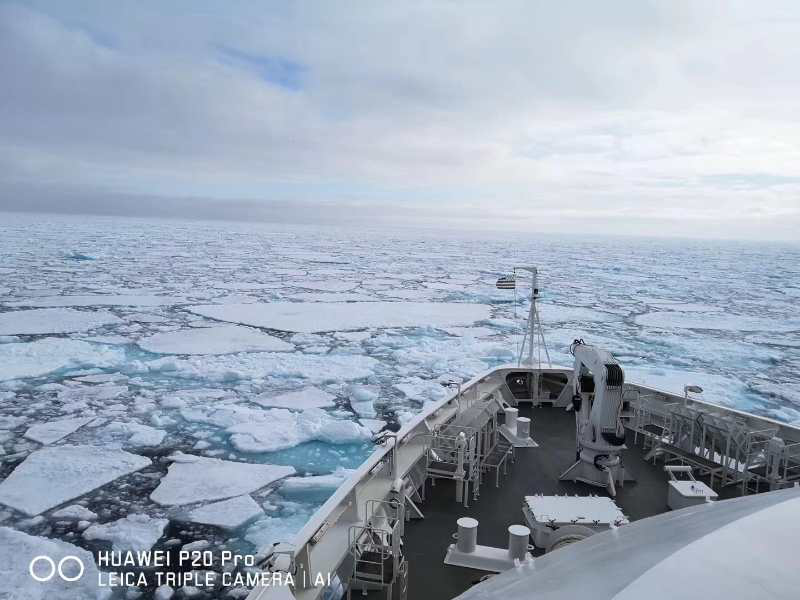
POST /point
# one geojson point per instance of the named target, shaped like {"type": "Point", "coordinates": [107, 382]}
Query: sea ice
{"type": "Point", "coordinates": [279, 528]}
{"type": "Point", "coordinates": [374, 425]}
{"type": "Point", "coordinates": [326, 297]}
{"type": "Point", "coordinates": [193, 479]}
{"type": "Point", "coordinates": [313, 483]}
{"type": "Point", "coordinates": [100, 300]}
{"type": "Point", "coordinates": [279, 429]}
{"type": "Point", "coordinates": [74, 512]}
{"type": "Point", "coordinates": [56, 474]}
{"type": "Point", "coordinates": [354, 336]}
{"type": "Point", "coordinates": [315, 368]}
{"type": "Point", "coordinates": [309, 397]}
{"type": "Point", "coordinates": [723, 322]}
{"type": "Point", "coordinates": [52, 320]}
{"type": "Point", "coordinates": [52, 431]}
{"type": "Point", "coordinates": [17, 552]}
{"type": "Point", "coordinates": [225, 339]}
{"type": "Point", "coordinates": [321, 316]}
{"type": "Point", "coordinates": [362, 398]}
{"type": "Point", "coordinates": [134, 533]}
{"type": "Point", "coordinates": [138, 435]}
{"type": "Point", "coordinates": [325, 286]}
{"type": "Point", "coordinates": [38, 358]}
{"type": "Point", "coordinates": [227, 514]}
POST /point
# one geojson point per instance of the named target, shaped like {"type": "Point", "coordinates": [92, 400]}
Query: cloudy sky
{"type": "Point", "coordinates": [665, 118]}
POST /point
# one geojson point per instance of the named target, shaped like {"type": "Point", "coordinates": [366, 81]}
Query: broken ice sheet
{"type": "Point", "coordinates": [52, 431]}
{"type": "Point", "coordinates": [321, 316]}
{"type": "Point", "coordinates": [225, 339]}
{"type": "Point", "coordinates": [135, 532]}
{"type": "Point", "coordinates": [34, 359]}
{"type": "Point", "coordinates": [56, 474]}
{"type": "Point", "coordinates": [17, 551]}
{"type": "Point", "coordinates": [227, 514]}
{"type": "Point", "coordinates": [53, 320]}
{"type": "Point", "coordinates": [193, 479]}
{"type": "Point", "coordinates": [308, 397]}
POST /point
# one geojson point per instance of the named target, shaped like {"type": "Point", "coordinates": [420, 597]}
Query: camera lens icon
{"type": "Point", "coordinates": [43, 568]}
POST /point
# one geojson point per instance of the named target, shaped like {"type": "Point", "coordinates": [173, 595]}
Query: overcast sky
{"type": "Point", "coordinates": [663, 118]}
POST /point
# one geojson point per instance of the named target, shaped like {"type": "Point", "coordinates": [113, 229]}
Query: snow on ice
{"type": "Point", "coordinates": [308, 397]}
{"type": "Point", "coordinates": [17, 551]}
{"type": "Point", "coordinates": [321, 316]}
{"type": "Point", "coordinates": [52, 431]}
{"type": "Point", "coordinates": [52, 320]}
{"type": "Point", "coordinates": [65, 472]}
{"type": "Point", "coordinates": [316, 482]}
{"type": "Point", "coordinates": [278, 429]}
{"type": "Point", "coordinates": [135, 533]}
{"type": "Point", "coordinates": [41, 357]}
{"type": "Point", "coordinates": [193, 479]}
{"type": "Point", "coordinates": [226, 339]}
{"type": "Point", "coordinates": [100, 300]}
{"type": "Point", "coordinates": [227, 514]}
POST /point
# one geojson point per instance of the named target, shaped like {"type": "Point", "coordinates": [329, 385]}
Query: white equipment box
{"type": "Point", "coordinates": [547, 514]}
{"type": "Point", "coordinates": [686, 492]}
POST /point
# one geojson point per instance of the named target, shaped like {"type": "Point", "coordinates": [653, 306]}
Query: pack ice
{"type": "Point", "coordinates": [278, 429]}
{"type": "Point", "coordinates": [309, 397]}
{"type": "Point", "coordinates": [322, 316]}
{"type": "Point", "coordinates": [226, 339]}
{"type": "Point", "coordinates": [136, 532]}
{"type": "Point", "coordinates": [52, 431]}
{"type": "Point", "coordinates": [17, 551]}
{"type": "Point", "coordinates": [227, 514]}
{"type": "Point", "coordinates": [100, 300]}
{"type": "Point", "coordinates": [52, 320]}
{"type": "Point", "coordinates": [38, 358]}
{"type": "Point", "coordinates": [193, 479]}
{"type": "Point", "coordinates": [55, 474]}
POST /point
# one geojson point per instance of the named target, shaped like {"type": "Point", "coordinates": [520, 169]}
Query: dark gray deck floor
{"type": "Point", "coordinates": [535, 470]}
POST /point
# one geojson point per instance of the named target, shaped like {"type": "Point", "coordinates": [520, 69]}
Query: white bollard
{"type": "Point", "coordinates": [467, 534]}
{"type": "Point", "coordinates": [517, 541]}
{"type": "Point", "coordinates": [523, 428]}
{"type": "Point", "coordinates": [511, 419]}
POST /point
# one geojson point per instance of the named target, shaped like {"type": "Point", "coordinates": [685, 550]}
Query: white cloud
{"type": "Point", "coordinates": [659, 118]}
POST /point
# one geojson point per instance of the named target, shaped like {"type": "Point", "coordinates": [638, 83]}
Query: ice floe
{"type": "Point", "coordinates": [52, 320]}
{"type": "Point", "coordinates": [17, 553]}
{"type": "Point", "coordinates": [321, 316]}
{"type": "Point", "coordinates": [56, 474]}
{"type": "Point", "coordinates": [280, 527]}
{"type": "Point", "coordinates": [278, 429]}
{"type": "Point", "coordinates": [100, 300]}
{"type": "Point", "coordinates": [136, 434]}
{"type": "Point", "coordinates": [134, 533]}
{"type": "Point", "coordinates": [227, 514]}
{"type": "Point", "coordinates": [34, 359]}
{"type": "Point", "coordinates": [52, 431]}
{"type": "Point", "coordinates": [193, 479]}
{"type": "Point", "coordinates": [724, 322]}
{"type": "Point", "coordinates": [316, 482]}
{"type": "Point", "coordinates": [326, 286]}
{"type": "Point", "coordinates": [74, 512]}
{"type": "Point", "coordinates": [308, 397]}
{"type": "Point", "coordinates": [226, 339]}
{"type": "Point", "coordinates": [316, 369]}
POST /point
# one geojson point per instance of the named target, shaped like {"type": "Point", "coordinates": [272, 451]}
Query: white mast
{"type": "Point", "coordinates": [534, 334]}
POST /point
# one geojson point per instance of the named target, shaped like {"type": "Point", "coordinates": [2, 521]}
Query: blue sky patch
{"type": "Point", "coordinates": [277, 70]}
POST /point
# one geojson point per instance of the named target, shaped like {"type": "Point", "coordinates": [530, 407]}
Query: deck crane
{"type": "Point", "coordinates": [597, 401]}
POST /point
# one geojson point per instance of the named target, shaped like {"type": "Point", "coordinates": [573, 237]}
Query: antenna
{"type": "Point", "coordinates": [534, 334]}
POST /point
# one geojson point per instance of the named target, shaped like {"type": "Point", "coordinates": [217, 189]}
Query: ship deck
{"type": "Point", "coordinates": [534, 471]}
